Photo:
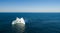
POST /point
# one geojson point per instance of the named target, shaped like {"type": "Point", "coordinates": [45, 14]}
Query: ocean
{"type": "Point", "coordinates": [35, 22]}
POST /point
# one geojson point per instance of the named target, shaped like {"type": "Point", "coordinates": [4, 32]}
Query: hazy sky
{"type": "Point", "coordinates": [29, 5]}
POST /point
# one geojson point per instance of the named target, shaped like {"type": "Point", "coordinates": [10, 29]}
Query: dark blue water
{"type": "Point", "coordinates": [35, 22]}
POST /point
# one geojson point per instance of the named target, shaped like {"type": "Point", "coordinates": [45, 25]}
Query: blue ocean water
{"type": "Point", "coordinates": [35, 22]}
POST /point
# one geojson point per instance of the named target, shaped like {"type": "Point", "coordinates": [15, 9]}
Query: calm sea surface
{"type": "Point", "coordinates": [35, 22]}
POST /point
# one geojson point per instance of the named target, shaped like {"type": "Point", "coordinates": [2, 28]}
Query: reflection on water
{"type": "Point", "coordinates": [19, 27]}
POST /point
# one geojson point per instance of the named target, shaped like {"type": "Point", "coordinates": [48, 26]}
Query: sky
{"type": "Point", "coordinates": [29, 5]}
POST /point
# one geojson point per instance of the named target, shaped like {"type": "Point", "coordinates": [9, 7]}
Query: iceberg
{"type": "Point", "coordinates": [19, 25]}
{"type": "Point", "coordinates": [18, 20]}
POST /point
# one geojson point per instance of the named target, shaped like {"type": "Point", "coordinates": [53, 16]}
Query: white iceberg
{"type": "Point", "coordinates": [19, 25]}
{"type": "Point", "coordinates": [18, 20]}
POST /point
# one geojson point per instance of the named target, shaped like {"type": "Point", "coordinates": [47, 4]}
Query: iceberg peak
{"type": "Point", "coordinates": [19, 20]}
